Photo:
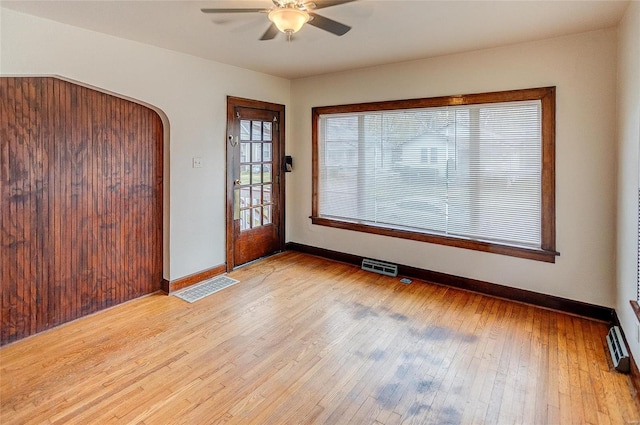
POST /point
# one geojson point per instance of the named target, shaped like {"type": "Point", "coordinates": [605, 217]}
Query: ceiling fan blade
{"type": "Point", "coordinates": [321, 4]}
{"type": "Point", "coordinates": [270, 33]}
{"type": "Point", "coordinates": [327, 24]}
{"type": "Point", "coordinates": [233, 10]}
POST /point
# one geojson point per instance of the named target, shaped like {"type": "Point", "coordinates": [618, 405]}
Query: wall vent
{"type": "Point", "coordinates": [618, 350]}
{"type": "Point", "coordinates": [381, 267]}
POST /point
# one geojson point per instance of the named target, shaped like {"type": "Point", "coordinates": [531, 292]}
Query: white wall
{"type": "Point", "coordinates": [583, 67]}
{"type": "Point", "coordinates": [628, 169]}
{"type": "Point", "coordinates": [190, 91]}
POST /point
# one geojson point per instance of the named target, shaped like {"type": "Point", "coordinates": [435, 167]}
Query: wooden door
{"type": "Point", "coordinates": [255, 184]}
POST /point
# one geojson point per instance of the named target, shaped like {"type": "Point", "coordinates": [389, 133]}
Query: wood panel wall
{"type": "Point", "coordinates": [80, 202]}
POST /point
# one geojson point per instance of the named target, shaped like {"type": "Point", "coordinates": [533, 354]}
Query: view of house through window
{"type": "Point", "coordinates": [470, 171]}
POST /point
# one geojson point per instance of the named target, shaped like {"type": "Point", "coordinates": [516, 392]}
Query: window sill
{"type": "Point", "coordinates": [513, 251]}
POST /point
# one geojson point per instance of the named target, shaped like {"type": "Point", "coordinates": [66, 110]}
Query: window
{"type": "Point", "coordinates": [434, 155]}
{"type": "Point", "coordinates": [473, 171]}
{"type": "Point", "coordinates": [424, 155]}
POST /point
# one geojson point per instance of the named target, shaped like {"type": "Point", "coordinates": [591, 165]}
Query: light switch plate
{"type": "Point", "coordinates": [197, 162]}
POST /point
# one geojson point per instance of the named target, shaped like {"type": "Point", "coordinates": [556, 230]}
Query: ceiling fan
{"type": "Point", "coordinates": [288, 16]}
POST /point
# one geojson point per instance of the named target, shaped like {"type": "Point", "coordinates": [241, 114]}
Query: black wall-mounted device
{"type": "Point", "coordinates": [288, 164]}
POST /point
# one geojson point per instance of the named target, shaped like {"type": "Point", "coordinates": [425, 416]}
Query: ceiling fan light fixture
{"type": "Point", "coordinates": [289, 20]}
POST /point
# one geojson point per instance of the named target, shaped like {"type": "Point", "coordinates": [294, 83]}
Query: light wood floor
{"type": "Point", "coordinates": [304, 340]}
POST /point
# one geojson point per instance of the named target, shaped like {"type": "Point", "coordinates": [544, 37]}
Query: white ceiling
{"type": "Point", "coordinates": [383, 31]}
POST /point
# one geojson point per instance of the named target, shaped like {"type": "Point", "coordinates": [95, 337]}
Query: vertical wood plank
{"type": "Point", "coordinates": [5, 135]}
{"type": "Point", "coordinates": [10, 241]}
{"type": "Point", "coordinates": [57, 258]}
{"type": "Point", "coordinates": [41, 208]}
{"type": "Point", "coordinates": [99, 260]}
{"type": "Point", "coordinates": [31, 199]}
{"type": "Point", "coordinates": [71, 168]}
{"type": "Point", "coordinates": [88, 205]}
{"type": "Point", "coordinates": [68, 299]}
{"type": "Point", "coordinates": [20, 219]}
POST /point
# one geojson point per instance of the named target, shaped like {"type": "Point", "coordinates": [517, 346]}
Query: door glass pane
{"type": "Point", "coordinates": [257, 220]}
{"type": "Point", "coordinates": [245, 174]}
{"type": "Point", "coordinates": [255, 195]}
{"type": "Point", "coordinates": [266, 215]}
{"type": "Point", "coordinates": [244, 152]}
{"type": "Point", "coordinates": [266, 127]}
{"type": "Point", "coordinates": [245, 130]}
{"type": "Point", "coordinates": [266, 151]}
{"type": "Point", "coordinates": [257, 152]}
{"type": "Point", "coordinates": [245, 197]}
{"type": "Point", "coordinates": [256, 130]}
{"type": "Point", "coordinates": [256, 148]}
{"type": "Point", "coordinates": [266, 194]}
{"type": "Point", "coordinates": [256, 174]}
{"type": "Point", "coordinates": [245, 219]}
{"type": "Point", "coordinates": [267, 173]}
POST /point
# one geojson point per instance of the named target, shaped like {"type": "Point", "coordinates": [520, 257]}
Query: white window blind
{"type": "Point", "coordinates": [470, 171]}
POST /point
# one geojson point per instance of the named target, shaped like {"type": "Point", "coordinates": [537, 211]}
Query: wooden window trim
{"type": "Point", "coordinates": [546, 95]}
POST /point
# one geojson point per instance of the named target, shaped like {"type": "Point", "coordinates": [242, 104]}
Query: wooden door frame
{"type": "Point", "coordinates": [232, 103]}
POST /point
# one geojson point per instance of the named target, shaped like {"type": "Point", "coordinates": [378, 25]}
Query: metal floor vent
{"type": "Point", "coordinates": [203, 289]}
{"type": "Point", "coordinates": [381, 267]}
{"type": "Point", "coordinates": [618, 350]}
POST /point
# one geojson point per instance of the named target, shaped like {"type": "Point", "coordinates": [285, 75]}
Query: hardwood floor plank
{"type": "Point", "coordinates": [305, 340]}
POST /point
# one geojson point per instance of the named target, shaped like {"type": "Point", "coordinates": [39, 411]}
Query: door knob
{"type": "Point", "coordinates": [236, 182]}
